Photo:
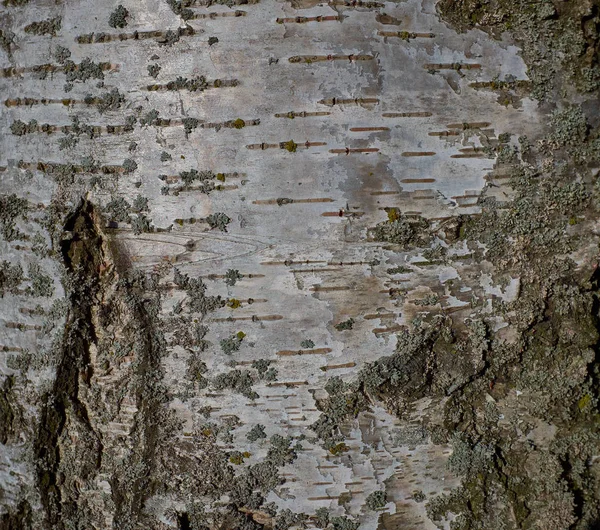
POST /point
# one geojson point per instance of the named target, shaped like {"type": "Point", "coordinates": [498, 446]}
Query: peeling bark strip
{"type": "Point", "coordinates": [314, 351]}
{"type": "Point", "coordinates": [97, 130]}
{"type": "Point", "coordinates": [172, 86]}
{"type": "Point", "coordinates": [418, 153]}
{"type": "Point", "coordinates": [444, 133]}
{"type": "Point", "coordinates": [28, 102]}
{"type": "Point", "coordinates": [82, 255]}
{"type": "Point", "coordinates": [502, 85]}
{"type": "Point", "coordinates": [302, 20]}
{"type": "Point", "coordinates": [288, 146]}
{"type": "Point", "coordinates": [369, 129]}
{"type": "Point", "coordinates": [50, 69]}
{"type": "Point", "coordinates": [357, 101]}
{"type": "Point", "coordinates": [407, 114]}
{"type": "Point", "coordinates": [51, 167]}
{"type": "Point", "coordinates": [291, 115]}
{"type": "Point", "coordinates": [208, 3]}
{"type": "Point", "coordinates": [324, 58]}
{"type": "Point", "coordinates": [356, 4]}
{"type": "Point", "coordinates": [406, 35]}
{"type": "Point", "coordinates": [95, 38]}
{"type": "Point", "coordinates": [470, 155]}
{"type": "Point", "coordinates": [213, 15]}
{"type": "Point", "coordinates": [348, 150]}
{"type": "Point", "coordinates": [253, 318]}
{"type": "Point", "coordinates": [452, 66]}
{"type": "Point", "coordinates": [281, 202]}
{"type": "Point", "coordinates": [469, 125]}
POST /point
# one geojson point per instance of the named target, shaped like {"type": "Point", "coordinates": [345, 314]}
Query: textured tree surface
{"type": "Point", "coordinates": [271, 265]}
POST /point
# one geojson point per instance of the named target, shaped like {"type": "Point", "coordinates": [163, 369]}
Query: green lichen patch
{"type": "Point", "coordinates": [232, 276]}
{"type": "Point", "coordinates": [344, 402]}
{"type": "Point", "coordinates": [344, 523]}
{"type": "Point", "coordinates": [400, 269]}
{"type": "Point", "coordinates": [218, 220]}
{"type": "Point", "coordinates": [376, 500]}
{"type": "Point", "coordinates": [196, 368]}
{"type": "Point", "coordinates": [49, 26]}
{"type": "Point", "coordinates": [237, 380]}
{"type": "Point", "coordinates": [118, 18]}
{"type": "Point", "coordinates": [231, 344]}
{"type": "Point", "coordinates": [289, 146]}
{"type": "Point", "coordinates": [525, 485]}
{"type": "Point", "coordinates": [181, 8]}
{"type": "Point", "coordinates": [140, 204]}
{"type": "Point", "coordinates": [129, 165]}
{"type": "Point", "coordinates": [170, 37]}
{"type": "Point", "coordinates": [203, 180]}
{"type": "Point", "coordinates": [197, 301]}
{"type": "Point", "coordinates": [153, 70]}
{"type": "Point", "coordinates": [41, 284]}
{"type": "Point", "coordinates": [20, 128]}
{"type": "Point", "coordinates": [287, 519]}
{"type": "Point", "coordinates": [7, 40]}
{"type": "Point", "coordinates": [189, 124]}
{"type": "Point", "coordinates": [150, 118]}
{"type": "Point", "coordinates": [403, 231]}
{"type": "Point", "coordinates": [11, 207]}
{"type": "Point", "coordinates": [85, 70]}
{"type": "Point", "coordinates": [256, 433]}
{"type": "Point", "coordinates": [265, 370]}
{"type": "Point", "coordinates": [141, 224]}
{"type": "Point", "coordinates": [61, 54]}
{"type": "Point", "coordinates": [345, 325]}
{"type": "Point", "coordinates": [118, 209]}
{"type": "Point", "coordinates": [196, 84]}
{"type": "Point", "coordinates": [110, 101]}
{"type": "Point", "coordinates": [558, 40]}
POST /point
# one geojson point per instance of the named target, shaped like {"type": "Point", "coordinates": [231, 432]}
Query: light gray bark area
{"type": "Point", "coordinates": [306, 264]}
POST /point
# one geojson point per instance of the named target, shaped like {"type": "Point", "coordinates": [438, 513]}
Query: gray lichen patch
{"type": "Point", "coordinates": [11, 208]}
